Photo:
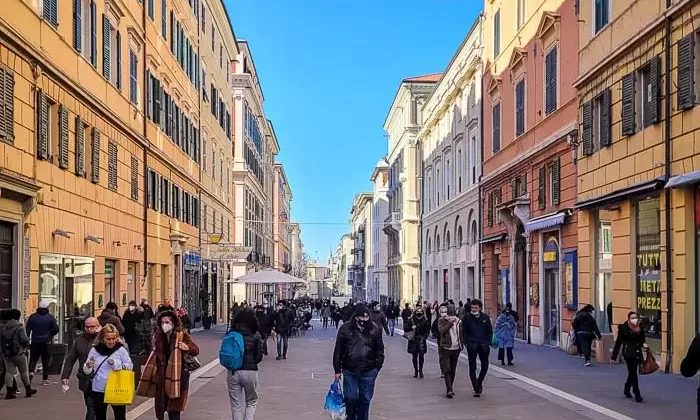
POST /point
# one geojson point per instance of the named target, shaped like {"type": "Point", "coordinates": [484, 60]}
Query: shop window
{"type": "Point", "coordinates": [110, 282]}
{"type": "Point", "coordinates": [603, 279]}
{"type": "Point", "coordinates": [132, 281]}
{"type": "Point", "coordinates": [648, 269]}
{"type": "Point", "coordinates": [67, 284]}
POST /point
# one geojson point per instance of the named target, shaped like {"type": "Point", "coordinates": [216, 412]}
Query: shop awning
{"type": "Point", "coordinates": [685, 179]}
{"type": "Point", "coordinates": [622, 194]}
{"type": "Point", "coordinates": [546, 221]}
{"type": "Point", "coordinates": [493, 238]}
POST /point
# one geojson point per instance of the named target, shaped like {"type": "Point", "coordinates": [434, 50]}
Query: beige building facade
{"type": "Point", "coordinates": [101, 202]}
{"type": "Point", "coordinates": [341, 259]}
{"type": "Point", "coordinates": [450, 147]}
{"type": "Point", "coordinates": [361, 235]}
{"type": "Point", "coordinates": [282, 209]}
{"type": "Point", "coordinates": [402, 222]}
{"type": "Point", "coordinates": [377, 273]}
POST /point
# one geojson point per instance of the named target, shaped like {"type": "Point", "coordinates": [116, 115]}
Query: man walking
{"type": "Point", "coordinates": [41, 328]}
{"type": "Point", "coordinates": [264, 315]}
{"type": "Point", "coordinates": [478, 333]}
{"type": "Point", "coordinates": [378, 317]}
{"type": "Point", "coordinates": [392, 314]}
{"type": "Point", "coordinates": [79, 353]}
{"type": "Point", "coordinates": [358, 357]}
{"type": "Point", "coordinates": [14, 342]}
{"type": "Point", "coordinates": [283, 320]}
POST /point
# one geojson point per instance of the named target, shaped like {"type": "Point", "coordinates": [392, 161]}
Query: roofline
{"type": "Point", "coordinates": [280, 167]}
{"type": "Point", "coordinates": [252, 62]}
{"type": "Point", "coordinates": [479, 18]}
{"type": "Point", "coordinates": [274, 134]}
{"type": "Point", "coordinates": [228, 19]}
{"type": "Point", "coordinates": [377, 170]}
{"type": "Point", "coordinates": [396, 95]}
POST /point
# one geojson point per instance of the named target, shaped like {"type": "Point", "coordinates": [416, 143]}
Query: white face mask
{"type": "Point", "coordinates": [634, 321]}
{"type": "Point", "coordinates": [475, 313]}
{"type": "Point", "coordinates": [443, 314]}
{"type": "Point", "coordinates": [167, 327]}
{"type": "Point", "coordinates": [377, 308]}
{"type": "Point", "coordinates": [132, 308]}
{"type": "Point", "coordinates": [264, 305]}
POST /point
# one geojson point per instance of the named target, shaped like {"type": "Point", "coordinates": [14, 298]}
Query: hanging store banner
{"type": "Point", "coordinates": [231, 253]}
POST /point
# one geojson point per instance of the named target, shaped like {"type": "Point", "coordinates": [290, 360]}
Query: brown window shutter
{"type": "Point", "coordinates": [523, 184]}
{"type": "Point", "coordinates": [654, 111]}
{"type": "Point", "coordinates": [79, 147]}
{"type": "Point", "coordinates": [628, 111]}
{"type": "Point", "coordinates": [556, 181]}
{"type": "Point", "coordinates": [605, 120]}
{"type": "Point", "coordinates": [7, 105]}
{"type": "Point", "coordinates": [134, 178]}
{"type": "Point", "coordinates": [63, 137]}
{"type": "Point", "coordinates": [43, 126]}
{"type": "Point", "coordinates": [3, 100]}
{"type": "Point", "coordinates": [686, 72]}
{"type": "Point", "coordinates": [587, 128]}
{"type": "Point", "coordinates": [112, 163]}
{"type": "Point", "coordinates": [542, 194]}
{"type": "Point", "coordinates": [157, 191]}
{"type": "Point", "coordinates": [514, 188]}
{"type": "Point", "coordinates": [95, 177]}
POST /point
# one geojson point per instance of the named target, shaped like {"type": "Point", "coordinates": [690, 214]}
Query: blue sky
{"type": "Point", "coordinates": [329, 71]}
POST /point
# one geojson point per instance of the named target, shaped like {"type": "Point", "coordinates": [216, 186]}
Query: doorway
{"type": "Point", "coordinates": [551, 307]}
{"type": "Point", "coordinates": [6, 264]}
{"type": "Point", "coordinates": [445, 286]}
{"type": "Point", "coordinates": [457, 285]}
{"type": "Point", "coordinates": [520, 287]}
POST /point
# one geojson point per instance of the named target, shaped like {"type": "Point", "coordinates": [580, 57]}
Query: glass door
{"type": "Point", "coordinates": [551, 308]}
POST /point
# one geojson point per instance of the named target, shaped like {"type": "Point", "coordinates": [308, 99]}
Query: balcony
{"type": "Point", "coordinates": [393, 221]}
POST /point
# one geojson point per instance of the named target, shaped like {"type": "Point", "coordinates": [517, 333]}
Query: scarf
{"type": "Point", "coordinates": [103, 350]}
{"type": "Point", "coordinates": [634, 328]}
{"type": "Point", "coordinates": [173, 372]}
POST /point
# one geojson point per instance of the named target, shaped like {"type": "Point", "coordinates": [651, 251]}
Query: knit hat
{"type": "Point", "coordinates": [44, 304]}
{"type": "Point", "coordinates": [361, 310]}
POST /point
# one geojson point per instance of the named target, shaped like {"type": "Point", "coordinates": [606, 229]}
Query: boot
{"type": "Point", "coordinates": [30, 391]}
{"type": "Point", "coordinates": [415, 373]}
{"type": "Point", "coordinates": [628, 387]}
{"type": "Point", "coordinates": [638, 395]}
{"type": "Point", "coordinates": [420, 374]}
{"type": "Point", "coordinates": [10, 395]}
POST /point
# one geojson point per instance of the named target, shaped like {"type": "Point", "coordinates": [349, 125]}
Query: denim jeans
{"type": "Point", "coordinates": [282, 344]}
{"type": "Point", "coordinates": [358, 390]}
{"type": "Point", "coordinates": [392, 325]}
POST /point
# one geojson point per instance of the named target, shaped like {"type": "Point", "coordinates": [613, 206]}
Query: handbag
{"type": "Point", "coordinates": [91, 376]}
{"type": "Point", "coordinates": [409, 335]}
{"type": "Point", "coordinates": [120, 387]}
{"type": "Point", "coordinates": [649, 365]}
{"type": "Point", "coordinates": [189, 362]}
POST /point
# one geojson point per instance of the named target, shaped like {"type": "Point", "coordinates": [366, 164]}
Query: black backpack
{"type": "Point", "coordinates": [10, 346]}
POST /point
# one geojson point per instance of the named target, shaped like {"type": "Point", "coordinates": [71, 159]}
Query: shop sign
{"type": "Point", "coordinates": [231, 253]}
{"type": "Point", "coordinates": [192, 259]}
{"type": "Point", "coordinates": [215, 238]}
{"type": "Point", "coordinates": [571, 279]}
{"type": "Point", "coordinates": [550, 254]}
{"type": "Point", "coordinates": [535, 294]}
{"type": "Point", "coordinates": [649, 287]}
{"type": "Point", "coordinates": [26, 265]}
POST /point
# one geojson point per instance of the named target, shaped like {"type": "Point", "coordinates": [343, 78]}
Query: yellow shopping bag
{"type": "Point", "coordinates": [120, 387]}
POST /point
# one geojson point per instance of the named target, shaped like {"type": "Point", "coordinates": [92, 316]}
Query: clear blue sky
{"type": "Point", "coordinates": [329, 71]}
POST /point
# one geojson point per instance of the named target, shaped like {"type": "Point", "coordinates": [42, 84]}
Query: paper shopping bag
{"type": "Point", "coordinates": [120, 387]}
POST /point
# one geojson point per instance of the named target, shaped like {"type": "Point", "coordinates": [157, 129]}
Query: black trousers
{"type": "Point", "coordinates": [98, 401]}
{"type": "Point", "coordinates": [89, 406]}
{"type": "Point", "coordinates": [482, 352]}
{"type": "Point", "coordinates": [325, 322]}
{"type": "Point", "coordinates": [632, 373]}
{"type": "Point", "coordinates": [40, 351]}
{"type": "Point", "coordinates": [585, 340]}
{"type": "Point", "coordinates": [448, 365]}
{"type": "Point", "coordinates": [509, 354]}
{"type": "Point", "coordinates": [418, 361]}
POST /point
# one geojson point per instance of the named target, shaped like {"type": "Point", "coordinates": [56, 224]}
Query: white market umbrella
{"type": "Point", "coordinates": [267, 277]}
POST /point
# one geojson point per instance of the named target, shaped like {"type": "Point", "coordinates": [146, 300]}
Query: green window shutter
{"type": "Point", "coordinates": [79, 147]}
{"type": "Point", "coordinates": [63, 137]}
{"type": "Point", "coordinates": [489, 217]}
{"type": "Point", "coordinates": [556, 181]}
{"type": "Point", "coordinates": [685, 76]}
{"type": "Point", "coordinates": [542, 194]}
{"type": "Point", "coordinates": [95, 177]}
{"type": "Point", "coordinates": [628, 99]}
{"type": "Point", "coordinates": [112, 165]}
{"type": "Point", "coordinates": [587, 128]}
{"type": "Point", "coordinates": [43, 126]}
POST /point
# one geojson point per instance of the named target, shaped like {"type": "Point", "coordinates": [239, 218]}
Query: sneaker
{"type": "Point", "coordinates": [587, 364]}
{"type": "Point", "coordinates": [45, 382]}
{"type": "Point", "coordinates": [450, 394]}
{"type": "Point", "coordinates": [278, 358]}
{"type": "Point", "coordinates": [477, 394]}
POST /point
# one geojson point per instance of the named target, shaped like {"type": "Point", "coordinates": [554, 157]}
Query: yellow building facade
{"type": "Point", "coordinates": [637, 157]}
{"type": "Point", "coordinates": [100, 154]}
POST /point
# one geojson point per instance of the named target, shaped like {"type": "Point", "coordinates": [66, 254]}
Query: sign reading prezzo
{"type": "Point", "coordinates": [649, 288]}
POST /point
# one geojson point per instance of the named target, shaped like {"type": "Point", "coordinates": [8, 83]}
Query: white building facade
{"type": "Point", "coordinates": [378, 274]}
{"type": "Point", "coordinates": [361, 224]}
{"type": "Point", "coordinates": [450, 147]}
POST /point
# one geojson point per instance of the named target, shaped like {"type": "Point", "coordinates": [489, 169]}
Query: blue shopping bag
{"type": "Point", "coordinates": [335, 403]}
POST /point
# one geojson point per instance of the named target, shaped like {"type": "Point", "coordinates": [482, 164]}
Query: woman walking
{"type": "Point", "coordinates": [417, 343]}
{"type": "Point", "coordinates": [449, 328]}
{"type": "Point", "coordinates": [630, 339]}
{"type": "Point", "coordinates": [243, 383]}
{"type": "Point", "coordinates": [108, 354]}
{"type": "Point", "coordinates": [165, 375]}
{"type": "Point", "coordinates": [586, 329]}
{"type": "Point", "coordinates": [14, 343]}
{"type": "Point", "coordinates": [325, 313]}
{"type": "Point", "coordinates": [505, 332]}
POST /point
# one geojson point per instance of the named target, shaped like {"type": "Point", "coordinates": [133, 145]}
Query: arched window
{"type": "Point", "coordinates": [447, 240]}
{"type": "Point", "coordinates": [459, 237]}
{"type": "Point", "coordinates": [429, 246]}
{"type": "Point", "coordinates": [437, 244]}
{"type": "Point", "coordinates": [475, 234]}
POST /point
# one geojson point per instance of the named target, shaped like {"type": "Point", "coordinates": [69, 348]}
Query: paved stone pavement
{"type": "Point", "coordinates": [296, 388]}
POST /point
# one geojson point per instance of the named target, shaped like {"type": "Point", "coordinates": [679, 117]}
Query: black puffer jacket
{"type": "Point", "coordinates": [283, 321]}
{"type": "Point", "coordinates": [585, 323]}
{"type": "Point", "coordinates": [252, 349]}
{"type": "Point", "coordinates": [358, 350]}
{"type": "Point", "coordinates": [477, 330]}
{"type": "Point", "coordinates": [629, 341]}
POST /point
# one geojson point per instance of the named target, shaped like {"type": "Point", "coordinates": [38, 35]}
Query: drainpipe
{"type": "Point", "coordinates": [667, 192]}
{"type": "Point", "coordinates": [145, 153]}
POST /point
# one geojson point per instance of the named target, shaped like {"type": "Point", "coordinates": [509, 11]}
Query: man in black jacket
{"type": "Point", "coordinates": [691, 364]}
{"type": "Point", "coordinates": [379, 317]}
{"type": "Point", "coordinates": [264, 315]}
{"type": "Point", "coordinates": [477, 336]}
{"type": "Point", "coordinates": [41, 328]}
{"type": "Point", "coordinates": [586, 329]}
{"type": "Point", "coordinates": [358, 357]}
{"type": "Point", "coordinates": [79, 353]}
{"type": "Point", "coordinates": [282, 321]}
{"type": "Point", "coordinates": [392, 313]}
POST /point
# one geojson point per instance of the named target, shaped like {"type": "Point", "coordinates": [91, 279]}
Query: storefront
{"type": "Point", "coordinates": [67, 283]}
{"type": "Point", "coordinates": [192, 285]}
{"type": "Point", "coordinates": [210, 282]}
{"type": "Point", "coordinates": [550, 290]}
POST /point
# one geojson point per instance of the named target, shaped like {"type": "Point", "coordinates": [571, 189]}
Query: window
{"type": "Point", "coordinates": [79, 147]}
{"type": "Point", "coordinates": [602, 14]}
{"type": "Point", "coordinates": [472, 159]}
{"type": "Point", "coordinates": [542, 188]}
{"type": "Point", "coordinates": [7, 98]}
{"type": "Point", "coordinates": [448, 177]}
{"type": "Point", "coordinates": [213, 162]}
{"type": "Point", "coordinates": [112, 163]}
{"type": "Point", "coordinates": [489, 214]}
{"type": "Point", "coordinates": [213, 32]}
{"type": "Point", "coordinates": [459, 170]}
{"type": "Point", "coordinates": [134, 178]}
{"type": "Point", "coordinates": [50, 12]}
{"type": "Point", "coordinates": [95, 149]}
{"type": "Point", "coordinates": [648, 96]}
{"type": "Point", "coordinates": [496, 122]}
{"type": "Point", "coordinates": [133, 77]}
{"type": "Point", "coordinates": [151, 189]}
{"type": "Point", "coordinates": [44, 129]}
{"type": "Point", "coordinates": [520, 108]}
{"type": "Point", "coordinates": [151, 7]}
{"type": "Point", "coordinates": [606, 237]}
{"type": "Point", "coordinates": [93, 33]}
{"type": "Point", "coordinates": [596, 124]}
{"type": "Point", "coordinates": [204, 155]}
{"type": "Point", "coordinates": [163, 20]}
{"type": "Point", "coordinates": [685, 76]}
{"type": "Point", "coordinates": [550, 81]}
{"type": "Point", "coordinates": [555, 182]}
{"type": "Point", "coordinates": [497, 33]}
{"type": "Point", "coordinates": [221, 56]}
{"type": "Point", "coordinates": [519, 13]}
{"type": "Point", "coordinates": [204, 19]}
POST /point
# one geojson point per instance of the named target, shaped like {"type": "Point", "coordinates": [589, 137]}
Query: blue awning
{"type": "Point", "coordinates": [547, 221]}
{"type": "Point", "coordinates": [685, 179]}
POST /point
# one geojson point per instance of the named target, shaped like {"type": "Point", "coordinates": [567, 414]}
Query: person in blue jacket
{"type": "Point", "coordinates": [41, 328]}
